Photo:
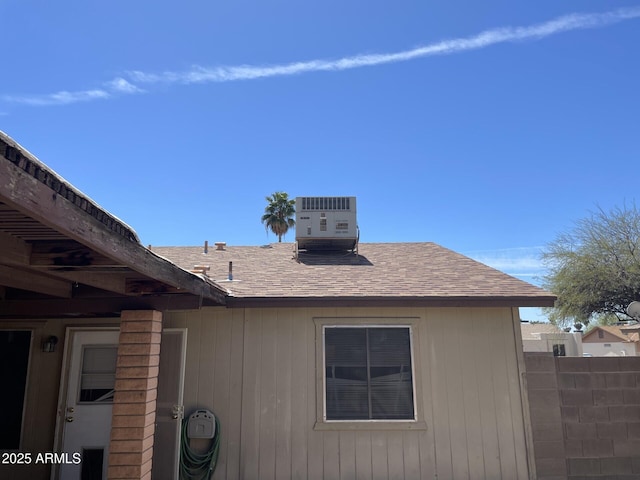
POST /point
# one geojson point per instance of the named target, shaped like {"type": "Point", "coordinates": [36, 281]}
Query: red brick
{"type": "Point", "coordinates": [140, 315]}
{"type": "Point", "coordinates": [138, 360]}
{"type": "Point", "coordinates": [143, 326]}
{"type": "Point", "coordinates": [136, 384]}
{"type": "Point", "coordinates": [131, 446]}
{"type": "Point", "coordinates": [136, 372]}
{"type": "Point", "coordinates": [139, 349]}
{"type": "Point", "coordinates": [137, 458]}
{"type": "Point", "coordinates": [134, 408]}
{"type": "Point", "coordinates": [137, 338]}
{"type": "Point", "coordinates": [132, 433]}
{"type": "Point", "coordinates": [135, 396]}
{"type": "Point", "coordinates": [598, 448]}
{"type": "Point", "coordinates": [135, 421]}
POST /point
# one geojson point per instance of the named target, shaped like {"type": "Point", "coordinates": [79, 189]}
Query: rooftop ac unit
{"type": "Point", "coordinates": [326, 223]}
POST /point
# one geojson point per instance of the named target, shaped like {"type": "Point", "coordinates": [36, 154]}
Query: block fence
{"type": "Point", "coordinates": [585, 416]}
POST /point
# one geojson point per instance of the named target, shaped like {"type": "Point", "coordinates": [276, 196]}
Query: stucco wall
{"type": "Point", "coordinates": [257, 370]}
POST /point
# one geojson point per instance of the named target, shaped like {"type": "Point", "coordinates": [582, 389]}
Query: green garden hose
{"type": "Point", "coordinates": [198, 466]}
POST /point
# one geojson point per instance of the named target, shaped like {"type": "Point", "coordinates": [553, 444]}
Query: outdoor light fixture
{"type": "Point", "coordinates": [49, 345]}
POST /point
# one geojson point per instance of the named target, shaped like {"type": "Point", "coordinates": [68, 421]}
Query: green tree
{"type": "Point", "coordinates": [595, 268]}
{"type": "Point", "coordinates": [278, 214]}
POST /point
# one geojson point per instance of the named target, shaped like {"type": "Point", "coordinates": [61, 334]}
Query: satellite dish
{"type": "Point", "coordinates": [633, 310]}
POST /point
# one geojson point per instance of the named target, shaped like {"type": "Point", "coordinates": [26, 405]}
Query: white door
{"type": "Point", "coordinates": [88, 405]}
{"type": "Point", "coordinates": [169, 410]}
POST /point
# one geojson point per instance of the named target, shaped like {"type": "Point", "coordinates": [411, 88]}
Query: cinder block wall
{"type": "Point", "coordinates": [586, 410]}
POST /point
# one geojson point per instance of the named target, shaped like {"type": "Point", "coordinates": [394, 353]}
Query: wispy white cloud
{"type": "Point", "coordinates": [200, 74]}
{"type": "Point", "coordinates": [521, 262]}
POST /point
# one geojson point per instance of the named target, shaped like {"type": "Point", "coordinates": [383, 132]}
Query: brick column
{"type": "Point", "coordinates": [134, 403]}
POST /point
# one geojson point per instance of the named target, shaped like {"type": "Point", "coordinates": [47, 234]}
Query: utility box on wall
{"type": "Point", "coordinates": [326, 223]}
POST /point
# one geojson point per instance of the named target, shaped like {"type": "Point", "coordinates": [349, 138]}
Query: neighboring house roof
{"type": "Point", "coordinates": [532, 331]}
{"type": "Point", "coordinates": [62, 254]}
{"type": "Point", "coordinates": [380, 274]}
{"type": "Point", "coordinates": [612, 333]}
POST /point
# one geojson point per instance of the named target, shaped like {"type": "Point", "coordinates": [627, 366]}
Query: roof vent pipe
{"type": "Point", "coordinates": [230, 271]}
{"type": "Point", "coordinates": [206, 246]}
{"type": "Point", "coordinates": [220, 245]}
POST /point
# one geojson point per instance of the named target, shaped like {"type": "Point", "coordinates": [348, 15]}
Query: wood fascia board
{"type": "Point", "coordinates": [34, 282]}
{"type": "Point", "coordinates": [100, 306]}
{"type": "Point", "coordinates": [260, 302]}
{"type": "Point", "coordinates": [15, 251]}
{"type": "Point", "coordinates": [31, 197]}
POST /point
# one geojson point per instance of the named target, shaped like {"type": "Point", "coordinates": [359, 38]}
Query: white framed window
{"type": "Point", "coordinates": [368, 374]}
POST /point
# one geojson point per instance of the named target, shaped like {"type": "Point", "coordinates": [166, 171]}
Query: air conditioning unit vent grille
{"type": "Point", "coordinates": [324, 203]}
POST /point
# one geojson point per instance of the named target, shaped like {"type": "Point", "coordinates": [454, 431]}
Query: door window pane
{"type": "Point", "coordinates": [98, 377]}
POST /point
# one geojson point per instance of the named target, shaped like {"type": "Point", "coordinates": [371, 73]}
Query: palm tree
{"type": "Point", "coordinates": [278, 214]}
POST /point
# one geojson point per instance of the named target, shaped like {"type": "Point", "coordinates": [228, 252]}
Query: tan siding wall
{"type": "Point", "coordinates": [256, 369]}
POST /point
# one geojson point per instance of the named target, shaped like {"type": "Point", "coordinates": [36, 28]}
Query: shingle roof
{"type": "Point", "coordinates": [613, 330]}
{"type": "Point", "coordinates": [410, 272]}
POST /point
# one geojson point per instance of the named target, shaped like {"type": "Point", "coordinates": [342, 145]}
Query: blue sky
{"type": "Point", "coordinates": [487, 127]}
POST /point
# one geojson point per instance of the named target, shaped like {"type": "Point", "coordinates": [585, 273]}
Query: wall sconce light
{"type": "Point", "coordinates": [49, 345]}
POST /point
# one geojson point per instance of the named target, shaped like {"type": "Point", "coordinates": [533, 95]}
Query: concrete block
{"type": "Point", "coordinates": [616, 430]}
{"type": "Point", "coordinates": [598, 380]}
{"type": "Point", "coordinates": [570, 414]}
{"type": "Point", "coordinates": [594, 414]}
{"type": "Point", "coordinates": [631, 396]}
{"type": "Point", "coordinates": [583, 380]}
{"type": "Point", "coordinates": [549, 449]}
{"type": "Point", "coordinates": [580, 431]}
{"type": "Point", "coordinates": [615, 466]}
{"type": "Point", "coordinates": [635, 464]}
{"type": "Point", "coordinates": [584, 466]}
{"type": "Point", "coordinates": [608, 397]}
{"type": "Point", "coordinates": [548, 414]}
{"type": "Point", "coordinates": [633, 431]}
{"type": "Point", "coordinates": [629, 364]}
{"type": "Point", "coordinates": [624, 413]}
{"type": "Point", "coordinates": [620, 380]}
{"type": "Point", "coordinates": [547, 432]}
{"type": "Point", "coordinates": [626, 448]}
{"type": "Point", "coordinates": [551, 466]}
{"type": "Point", "coordinates": [541, 380]}
{"type": "Point", "coordinates": [566, 380]}
{"type": "Point", "coordinates": [597, 448]}
{"type": "Point", "coordinates": [576, 397]}
{"type": "Point", "coordinates": [573, 448]}
{"type": "Point", "coordinates": [540, 362]}
{"type": "Point", "coordinates": [604, 364]}
{"type": "Point", "coordinates": [573, 364]}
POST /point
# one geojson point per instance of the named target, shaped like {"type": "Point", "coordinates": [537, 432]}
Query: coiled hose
{"type": "Point", "coordinates": [198, 466]}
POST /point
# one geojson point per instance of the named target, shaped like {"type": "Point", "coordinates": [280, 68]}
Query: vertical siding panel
{"type": "Point", "coordinates": [315, 446]}
{"type": "Point", "coordinates": [207, 339]}
{"type": "Point", "coordinates": [457, 420]}
{"type": "Point", "coordinates": [302, 358]}
{"type": "Point", "coordinates": [363, 456]}
{"type": "Point", "coordinates": [222, 386]}
{"type": "Point", "coordinates": [516, 398]}
{"type": "Point", "coordinates": [233, 425]}
{"type": "Point", "coordinates": [379, 456]}
{"type": "Point", "coordinates": [192, 371]}
{"type": "Point", "coordinates": [347, 455]}
{"type": "Point", "coordinates": [284, 394]}
{"type": "Point", "coordinates": [482, 333]}
{"type": "Point", "coordinates": [424, 368]}
{"type": "Point", "coordinates": [503, 401]}
{"type": "Point", "coordinates": [471, 397]}
{"type": "Point", "coordinates": [395, 456]}
{"type": "Point", "coordinates": [439, 395]}
{"type": "Point", "coordinates": [267, 412]}
{"type": "Point", "coordinates": [411, 455]}
{"type": "Point", "coordinates": [251, 383]}
{"type": "Point", "coordinates": [331, 455]}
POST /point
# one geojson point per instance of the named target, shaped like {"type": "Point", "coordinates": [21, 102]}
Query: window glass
{"type": "Point", "coordinates": [368, 374]}
{"type": "Point", "coordinates": [98, 378]}
{"type": "Point", "coordinates": [558, 350]}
